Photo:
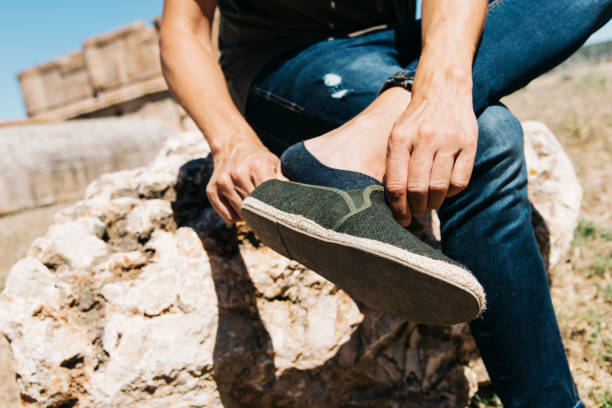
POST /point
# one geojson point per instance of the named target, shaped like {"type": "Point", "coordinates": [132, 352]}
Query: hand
{"type": "Point", "coordinates": [237, 172]}
{"type": "Point", "coordinates": [430, 153]}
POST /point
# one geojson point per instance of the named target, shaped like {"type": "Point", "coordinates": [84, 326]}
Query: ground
{"type": "Point", "coordinates": [576, 106]}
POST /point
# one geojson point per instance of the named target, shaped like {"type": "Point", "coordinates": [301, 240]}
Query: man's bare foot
{"type": "Point", "coordinates": [361, 144]}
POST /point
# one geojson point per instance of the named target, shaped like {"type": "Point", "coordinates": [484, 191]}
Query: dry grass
{"type": "Point", "coordinates": [576, 106]}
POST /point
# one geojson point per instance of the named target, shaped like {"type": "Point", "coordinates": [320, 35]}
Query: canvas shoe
{"type": "Point", "coordinates": [351, 239]}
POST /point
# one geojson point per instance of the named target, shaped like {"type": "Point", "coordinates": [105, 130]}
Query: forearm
{"type": "Point", "coordinates": [198, 84]}
{"type": "Point", "coordinates": [450, 31]}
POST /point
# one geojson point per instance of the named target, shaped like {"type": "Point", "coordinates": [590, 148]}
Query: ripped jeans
{"type": "Point", "coordinates": [488, 226]}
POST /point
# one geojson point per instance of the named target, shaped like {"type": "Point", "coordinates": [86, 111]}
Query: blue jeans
{"type": "Point", "coordinates": [488, 226]}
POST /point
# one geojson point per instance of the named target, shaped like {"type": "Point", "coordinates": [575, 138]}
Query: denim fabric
{"type": "Point", "coordinates": [254, 32]}
{"type": "Point", "coordinates": [487, 227]}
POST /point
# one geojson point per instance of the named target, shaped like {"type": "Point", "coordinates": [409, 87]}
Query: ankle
{"type": "Point", "coordinates": [392, 102]}
{"type": "Point", "coordinates": [369, 124]}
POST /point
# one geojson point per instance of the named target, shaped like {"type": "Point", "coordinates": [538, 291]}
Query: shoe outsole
{"type": "Point", "coordinates": [381, 276]}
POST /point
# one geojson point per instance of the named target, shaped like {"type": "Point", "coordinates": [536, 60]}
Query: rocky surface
{"type": "Point", "coordinates": [553, 187]}
{"type": "Point", "coordinates": [140, 296]}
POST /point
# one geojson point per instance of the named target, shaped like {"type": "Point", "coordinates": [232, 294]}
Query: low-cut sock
{"type": "Point", "coordinates": [299, 165]}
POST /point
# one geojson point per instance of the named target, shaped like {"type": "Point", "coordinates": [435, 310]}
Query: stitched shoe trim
{"type": "Point", "coordinates": [367, 203]}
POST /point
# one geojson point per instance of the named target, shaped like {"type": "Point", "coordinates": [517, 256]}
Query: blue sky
{"type": "Point", "coordinates": [35, 31]}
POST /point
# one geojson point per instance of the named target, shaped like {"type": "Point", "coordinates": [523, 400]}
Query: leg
{"type": "Point", "coordinates": [320, 88]}
{"type": "Point", "coordinates": [488, 228]}
{"type": "Point", "coordinates": [326, 89]}
{"type": "Point", "coordinates": [518, 337]}
{"type": "Point", "coordinates": [522, 39]}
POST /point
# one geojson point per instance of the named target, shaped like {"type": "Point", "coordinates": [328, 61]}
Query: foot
{"type": "Point", "coordinates": [360, 145]}
{"type": "Point", "coordinates": [351, 239]}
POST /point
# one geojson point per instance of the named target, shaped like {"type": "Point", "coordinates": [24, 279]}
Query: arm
{"type": "Point", "coordinates": [432, 146]}
{"type": "Point", "coordinates": [241, 161]}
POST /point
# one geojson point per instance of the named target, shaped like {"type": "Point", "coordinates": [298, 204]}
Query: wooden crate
{"type": "Point", "coordinates": [59, 82]}
{"type": "Point", "coordinates": [123, 57]}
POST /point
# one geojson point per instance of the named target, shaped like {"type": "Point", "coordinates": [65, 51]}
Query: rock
{"type": "Point", "coordinates": [141, 296]}
{"type": "Point", "coordinates": [554, 188]}
{"type": "Point", "coordinates": [75, 245]}
{"type": "Point", "coordinates": [49, 163]}
{"type": "Point", "coordinates": [148, 215]}
{"type": "Point", "coordinates": [8, 387]}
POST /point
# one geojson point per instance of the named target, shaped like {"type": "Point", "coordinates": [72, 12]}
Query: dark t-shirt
{"type": "Point", "coordinates": [254, 32]}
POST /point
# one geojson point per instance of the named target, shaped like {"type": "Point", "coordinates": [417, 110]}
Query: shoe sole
{"type": "Point", "coordinates": [381, 276]}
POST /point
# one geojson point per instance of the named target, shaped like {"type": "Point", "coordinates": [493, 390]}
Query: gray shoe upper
{"type": "Point", "coordinates": [362, 213]}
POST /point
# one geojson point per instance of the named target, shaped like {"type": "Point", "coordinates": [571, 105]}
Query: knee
{"type": "Point", "coordinates": [497, 191]}
{"type": "Point", "coordinates": [500, 133]}
{"type": "Point", "coordinates": [500, 159]}
{"type": "Point", "coordinates": [499, 177]}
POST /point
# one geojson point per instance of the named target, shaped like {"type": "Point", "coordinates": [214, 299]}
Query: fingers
{"type": "Point", "coordinates": [244, 186]}
{"type": "Point", "coordinates": [227, 190]}
{"type": "Point", "coordinates": [261, 174]}
{"type": "Point", "coordinates": [418, 179]}
{"type": "Point", "coordinates": [396, 178]}
{"type": "Point", "coordinates": [221, 206]}
{"type": "Point", "coordinates": [421, 176]}
{"type": "Point", "coordinates": [237, 172]}
{"type": "Point", "coordinates": [241, 181]}
{"type": "Point", "coordinates": [265, 171]}
{"type": "Point", "coordinates": [439, 180]}
{"type": "Point", "coordinates": [235, 216]}
{"type": "Point", "coordinates": [430, 155]}
{"type": "Point", "coordinates": [462, 172]}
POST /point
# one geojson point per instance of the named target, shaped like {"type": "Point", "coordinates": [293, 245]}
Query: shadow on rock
{"type": "Point", "coordinates": [385, 362]}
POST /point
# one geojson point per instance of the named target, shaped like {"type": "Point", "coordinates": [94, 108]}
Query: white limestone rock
{"type": "Point", "coordinates": [554, 189]}
{"type": "Point", "coordinates": [139, 296]}
{"type": "Point", "coordinates": [76, 244]}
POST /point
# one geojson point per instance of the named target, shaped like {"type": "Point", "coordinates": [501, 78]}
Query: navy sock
{"type": "Point", "coordinates": [299, 165]}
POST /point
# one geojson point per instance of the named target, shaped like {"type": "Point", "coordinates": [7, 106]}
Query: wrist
{"type": "Point", "coordinates": [223, 135]}
{"type": "Point", "coordinates": [437, 67]}
{"type": "Point", "coordinates": [224, 144]}
{"type": "Point", "coordinates": [447, 52]}
{"type": "Point", "coordinates": [441, 81]}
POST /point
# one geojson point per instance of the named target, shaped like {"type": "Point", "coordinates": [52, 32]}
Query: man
{"type": "Point", "coordinates": [436, 136]}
